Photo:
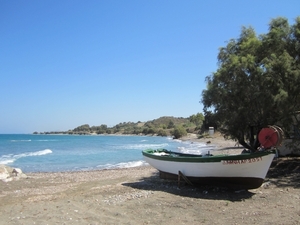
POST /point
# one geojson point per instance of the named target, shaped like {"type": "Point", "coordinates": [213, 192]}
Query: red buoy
{"type": "Point", "coordinates": [270, 137]}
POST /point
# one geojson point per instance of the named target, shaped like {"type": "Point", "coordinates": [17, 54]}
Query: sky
{"type": "Point", "coordinates": [65, 63]}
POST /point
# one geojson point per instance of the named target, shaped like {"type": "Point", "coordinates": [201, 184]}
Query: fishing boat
{"type": "Point", "coordinates": [245, 170]}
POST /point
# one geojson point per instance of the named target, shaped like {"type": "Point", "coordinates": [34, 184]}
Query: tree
{"type": "Point", "coordinates": [197, 119]}
{"type": "Point", "coordinates": [257, 82]}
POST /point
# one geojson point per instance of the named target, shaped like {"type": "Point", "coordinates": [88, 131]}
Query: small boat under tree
{"type": "Point", "coordinates": [245, 170]}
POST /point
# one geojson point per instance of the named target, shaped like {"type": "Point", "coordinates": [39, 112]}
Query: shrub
{"type": "Point", "coordinates": [162, 133]}
{"type": "Point", "coordinates": [179, 132]}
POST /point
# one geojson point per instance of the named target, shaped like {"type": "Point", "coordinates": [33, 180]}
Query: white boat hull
{"type": "Point", "coordinates": [248, 173]}
{"type": "Point", "coordinates": [257, 167]}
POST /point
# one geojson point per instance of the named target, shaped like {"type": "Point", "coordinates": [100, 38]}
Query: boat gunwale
{"type": "Point", "coordinates": [182, 157]}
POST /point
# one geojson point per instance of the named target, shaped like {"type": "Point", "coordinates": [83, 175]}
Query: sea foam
{"type": "Point", "coordinates": [122, 165]}
{"type": "Point", "coordinates": [143, 146]}
{"type": "Point", "coordinates": [21, 140]}
{"type": "Point", "coordinates": [7, 159]}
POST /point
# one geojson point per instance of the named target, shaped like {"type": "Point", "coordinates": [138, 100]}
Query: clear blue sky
{"type": "Point", "coordinates": [66, 63]}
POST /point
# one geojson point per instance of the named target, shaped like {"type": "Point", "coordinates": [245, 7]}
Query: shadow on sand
{"type": "Point", "coordinates": [155, 183]}
{"type": "Point", "coordinates": [285, 172]}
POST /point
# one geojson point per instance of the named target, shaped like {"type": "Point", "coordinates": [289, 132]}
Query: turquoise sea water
{"type": "Point", "coordinates": [56, 153]}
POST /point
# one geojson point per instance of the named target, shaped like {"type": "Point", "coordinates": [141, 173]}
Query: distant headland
{"type": "Point", "coordinates": [163, 126]}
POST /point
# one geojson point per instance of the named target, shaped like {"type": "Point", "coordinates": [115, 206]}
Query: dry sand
{"type": "Point", "coordinates": [139, 196]}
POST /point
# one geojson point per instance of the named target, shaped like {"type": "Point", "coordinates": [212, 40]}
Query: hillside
{"type": "Point", "coordinates": [163, 126]}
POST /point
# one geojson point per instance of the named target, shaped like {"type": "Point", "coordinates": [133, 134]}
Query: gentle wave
{"type": "Point", "coordinates": [46, 140]}
{"type": "Point", "coordinates": [20, 140]}
{"type": "Point", "coordinates": [43, 152]}
{"type": "Point", "coordinates": [122, 165]}
{"type": "Point", "coordinates": [29, 140]}
{"type": "Point", "coordinates": [130, 164]}
{"type": "Point", "coordinates": [7, 159]}
{"type": "Point", "coordinates": [143, 146]}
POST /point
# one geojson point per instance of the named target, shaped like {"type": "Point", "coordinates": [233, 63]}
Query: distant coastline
{"type": "Point", "coordinates": [163, 126]}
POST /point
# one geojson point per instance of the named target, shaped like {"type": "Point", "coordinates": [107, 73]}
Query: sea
{"type": "Point", "coordinates": [62, 153]}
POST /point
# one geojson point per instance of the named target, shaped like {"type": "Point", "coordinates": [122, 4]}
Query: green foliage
{"type": "Point", "coordinates": [171, 124]}
{"type": "Point", "coordinates": [82, 129]}
{"type": "Point", "coordinates": [179, 132]}
{"type": "Point", "coordinates": [210, 120]}
{"type": "Point", "coordinates": [257, 82]}
{"type": "Point", "coordinates": [166, 121]}
{"type": "Point", "coordinates": [197, 119]}
{"type": "Point", "coordinates": [145, 130]}
{"type": "Point", "coordinates": [137, 130]}
{"type": "Point", "coordinates": [108, 131]}
{"type": "Point", "coordinates": [162, 133]}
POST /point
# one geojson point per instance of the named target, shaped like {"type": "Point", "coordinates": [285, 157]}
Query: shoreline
{"type": "Point", "coordinates": [222, 145]}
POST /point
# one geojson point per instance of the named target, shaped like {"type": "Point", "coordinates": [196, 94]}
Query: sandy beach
{"type": "Point", "coordinates": [138, 196]}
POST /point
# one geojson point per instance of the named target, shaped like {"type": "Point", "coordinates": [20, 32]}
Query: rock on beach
{"type": "Point", "coordinates": [8, 173]}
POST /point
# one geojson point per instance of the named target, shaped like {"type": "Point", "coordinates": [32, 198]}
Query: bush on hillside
{"type": "Point", "coordinates": [179, 132]}
{"type": "Point", "coordinates": [162, 133]}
